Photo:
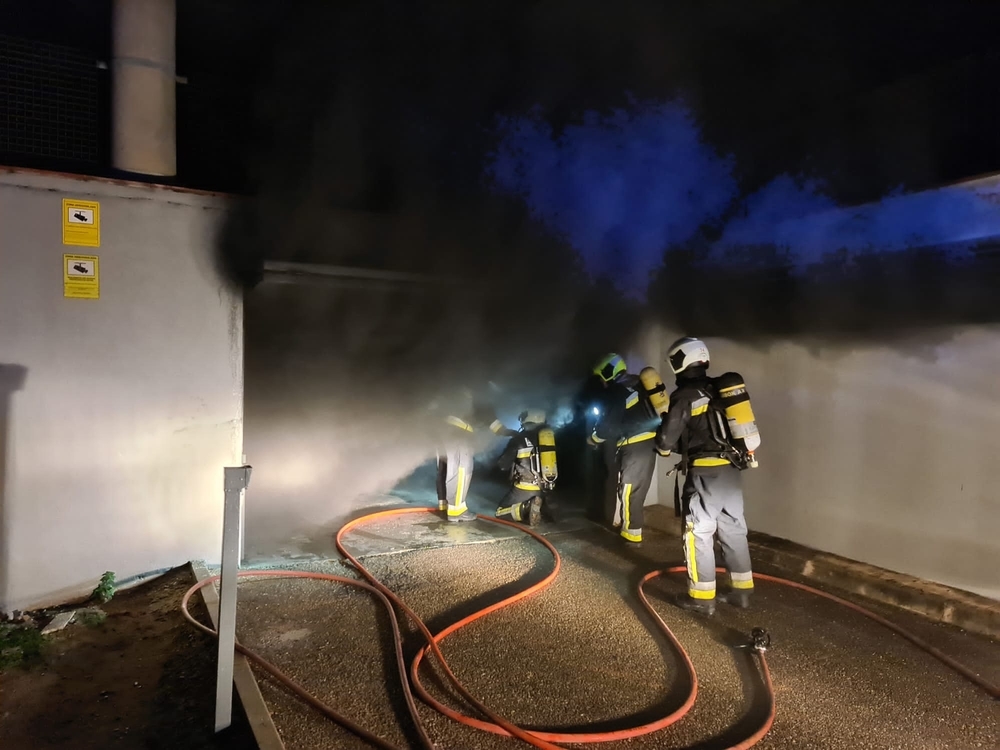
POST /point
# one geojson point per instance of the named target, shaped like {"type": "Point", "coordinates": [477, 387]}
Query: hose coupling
{"type": "Point", "coordinates": [760, 640]}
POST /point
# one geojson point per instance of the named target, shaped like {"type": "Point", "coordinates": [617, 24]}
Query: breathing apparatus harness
{"type": "Point", "coordinates": [727, 448]}
{"type": "Point", "coordinates": [540, 470]}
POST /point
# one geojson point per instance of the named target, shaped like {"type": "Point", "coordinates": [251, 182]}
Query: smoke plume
{"type": "Point", "coordinates": [628, 140]}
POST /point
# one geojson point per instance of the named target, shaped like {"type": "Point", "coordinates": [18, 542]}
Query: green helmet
{"type": "Point", "coordinates": [609, 367]}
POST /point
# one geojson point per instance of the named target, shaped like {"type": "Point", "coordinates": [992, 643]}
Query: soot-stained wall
{"type": "Point", "coordinates": [117, 414]}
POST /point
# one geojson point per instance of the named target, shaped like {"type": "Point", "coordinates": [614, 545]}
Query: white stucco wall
{"type": "Point", "coordinates": [884, 454]}
{"type": "Point", "coordinates": [132, 404]}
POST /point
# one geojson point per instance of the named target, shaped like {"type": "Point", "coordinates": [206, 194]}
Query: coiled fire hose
{"type": "Point", "coordinates": [491, 721]}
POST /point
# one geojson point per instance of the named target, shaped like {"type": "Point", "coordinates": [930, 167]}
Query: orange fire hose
{"type": "Point", "coordinates": [497, 724]}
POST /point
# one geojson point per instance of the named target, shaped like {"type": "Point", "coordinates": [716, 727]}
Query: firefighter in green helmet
{"type": "Point", "coordinates": [627, 423]}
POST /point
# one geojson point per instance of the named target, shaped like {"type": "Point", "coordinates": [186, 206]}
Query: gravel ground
{"type": "Point", "coordinates": [584, 653]}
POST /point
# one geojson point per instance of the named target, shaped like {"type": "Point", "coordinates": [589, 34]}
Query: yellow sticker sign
{"type": "Point", "coordinates": [81, 223]}
{"type": "Point", "coordinates": [81, 277]}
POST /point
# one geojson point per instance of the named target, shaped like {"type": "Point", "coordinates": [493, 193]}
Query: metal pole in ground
{"type": "Point", "coordinates": [236, 480]}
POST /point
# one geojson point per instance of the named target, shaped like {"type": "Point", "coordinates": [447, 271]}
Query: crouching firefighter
{"type": "Point", "coordinates": [530, 456]}
{"type": "Point", "coordinates": [630, 421]}
{"type": "Point", "coordinates": [711, 423]}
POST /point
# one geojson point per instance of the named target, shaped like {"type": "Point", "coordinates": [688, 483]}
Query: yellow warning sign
{"type": "Point", "coordinates": [81, 277]}
{"type": "Point", "coordinates": [81, 223]}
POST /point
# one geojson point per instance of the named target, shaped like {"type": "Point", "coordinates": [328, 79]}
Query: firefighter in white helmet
{"type": "Point", "coordinates": [711, 424]}
{"type": "Point", "coordinates": [530, 459]}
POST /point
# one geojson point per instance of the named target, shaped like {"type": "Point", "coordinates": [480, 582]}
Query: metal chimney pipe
{"type": "Point", "coordinates": [143, 81]}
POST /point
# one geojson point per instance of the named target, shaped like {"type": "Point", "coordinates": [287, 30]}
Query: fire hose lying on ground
{"type": "Point", "coordinates": [490, 721]}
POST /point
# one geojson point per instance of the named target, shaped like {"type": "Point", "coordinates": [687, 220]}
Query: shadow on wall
{"type": "Point", "coordinates": [12, 378]}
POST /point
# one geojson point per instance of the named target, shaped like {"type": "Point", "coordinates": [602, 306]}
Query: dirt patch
{"type": "Point", "coordinates": [142, 678]}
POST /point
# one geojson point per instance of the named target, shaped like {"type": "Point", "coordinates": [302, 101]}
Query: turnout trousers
{"type": "Point", "coordinates": [713, 505]}
{"type": "Point", "coordinates": [517, 502]}
{"type": "Point", "coordinates": [454, 474]}
{"type": "Point", "coordinates": [636, 463]}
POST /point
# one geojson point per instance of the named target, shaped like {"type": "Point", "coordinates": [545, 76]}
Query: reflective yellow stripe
{"type": "Point", "coordinates": [741, 580]}
{"type": "Point", "coordinates": [459, 423]}
{"type": "Point", "coordinates": [631, 537]}
{"type": "Point", "coordinates": [692, 563]}
{"type": "Point", "coordinates": [524, 453]}
{"type": "Point", "coordinates": [625, 496]}
{"type": "Point", "coordinates": [460, 489]}
{"type": "Point", "coordinates": [505, 511]}
{"type": "Point", "coordinates": [496, 426]}
{"type": "Point", "coordinates": [530, 487]}
{"type": "Point", "coordinates": [699, 410]}
{"type": "Point", "coordinates": [699, 594]}
{"type": "Point", "coordinates": [710, 462]}
{"type": "Point", "coordinates": [640, 438]}
{"type": "Point", "coordinates": [459, 506]}
{"type": "Point", "coordinates": [632, 401]}
{"type": "Point", "coordinates": [595, 438]}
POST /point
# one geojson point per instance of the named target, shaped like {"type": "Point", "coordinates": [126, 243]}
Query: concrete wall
{"type": "Point", "coordinates": [884, 454]}
{"type": "Point", "coordinates": [130, 405]}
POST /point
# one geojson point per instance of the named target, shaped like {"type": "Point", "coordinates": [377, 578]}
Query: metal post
{"type": "Point", "coordinates": [236, 480]}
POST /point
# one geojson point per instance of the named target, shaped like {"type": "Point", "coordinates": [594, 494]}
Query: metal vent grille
{"type": "Point", "coordinates": [49, 101]}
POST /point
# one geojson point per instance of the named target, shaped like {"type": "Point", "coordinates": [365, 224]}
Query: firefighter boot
{"type": "Point", "coordinates": [737, 598]}
{"type": "Point", "coordinates": [467, 515]}
{"type": "Point", "coordinates": [698, 606]}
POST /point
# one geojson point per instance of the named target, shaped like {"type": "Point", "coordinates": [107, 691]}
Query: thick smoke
{"type": "Point", "coordinates": [786, 259]}
{"type": "Point", "coordinates": [357, 170]}
{"type": "Point", "coordinates": [619, 188]}
{"type": "Point", "coordinates": [372, 137]}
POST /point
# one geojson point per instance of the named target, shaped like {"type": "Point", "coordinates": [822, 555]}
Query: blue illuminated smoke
{"type": "Point", "coordinates": [626, 188]}
{"type": "Point", "coordinates": [808, 226]}
{"type": "Point", "coordinates": [620, 189]}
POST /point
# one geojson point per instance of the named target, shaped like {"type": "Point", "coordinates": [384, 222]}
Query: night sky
{"type": "Point", "coordinates": [866, 96]}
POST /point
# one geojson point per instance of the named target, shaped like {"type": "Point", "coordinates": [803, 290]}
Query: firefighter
{"type": "Point", "coordinates": [530, 457]}
{"type": "Point", "coordinates": [627, 424]}
{"type": "Point", "coordinates": [711, 423]}
{"type": "Point", "coordinates": [456, 459]}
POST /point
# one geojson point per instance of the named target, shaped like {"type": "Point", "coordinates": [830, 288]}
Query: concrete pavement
{"type": "Point", "coordinates": [583, 652]}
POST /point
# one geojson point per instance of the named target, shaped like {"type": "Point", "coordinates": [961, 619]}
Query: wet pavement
{"type": "Point", "coordinates": [583, 653]}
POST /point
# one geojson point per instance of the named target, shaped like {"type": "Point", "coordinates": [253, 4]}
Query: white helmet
{"type": "Point", "coordinates": [532, 416]}
{"type": "Point", "coordinates": [687, 352]}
